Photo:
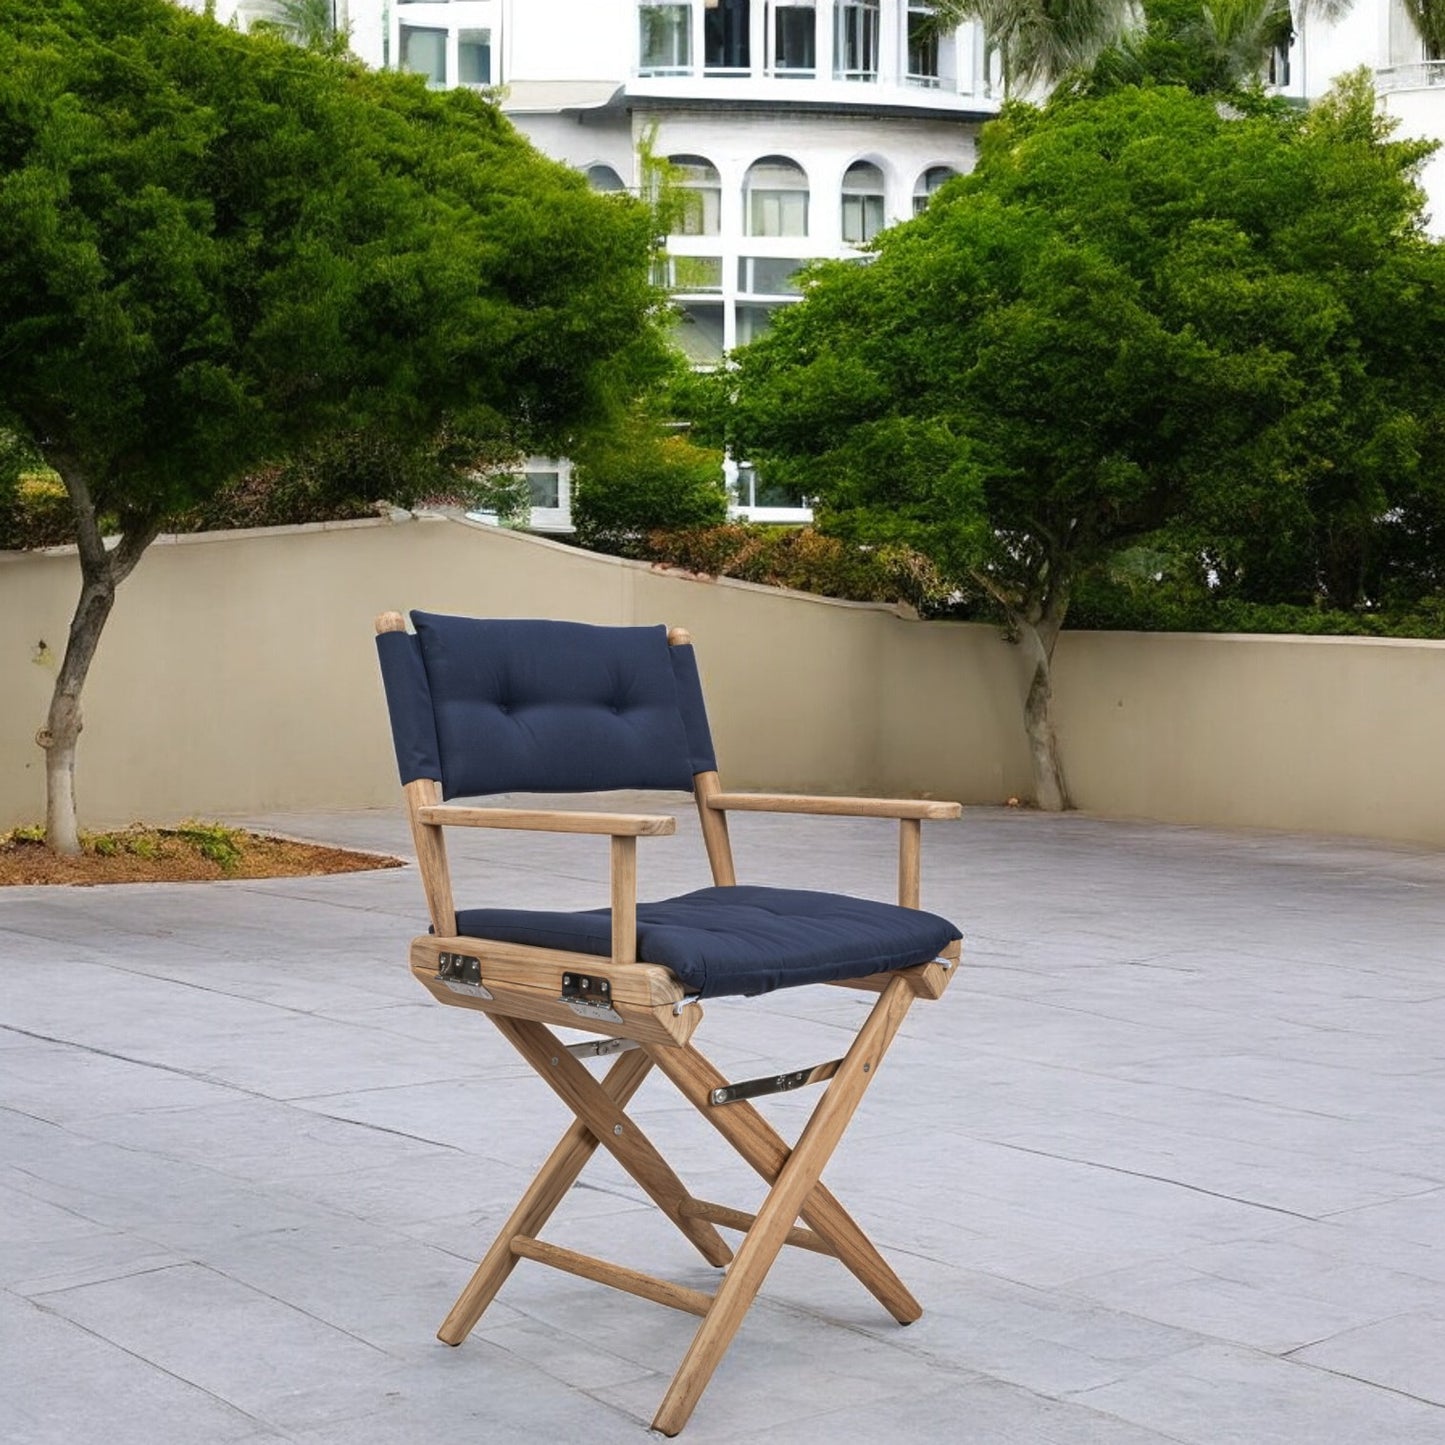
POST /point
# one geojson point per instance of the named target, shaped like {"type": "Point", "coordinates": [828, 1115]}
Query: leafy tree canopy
{"type": "Point", "coordinates": [213, 246]}
{"type": "Point", "coordinates": [1139, 312]}
{"type": "Point", "coordinates": [216, 248]}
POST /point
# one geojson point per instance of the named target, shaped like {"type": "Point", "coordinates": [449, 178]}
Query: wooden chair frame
{"type": "Point", "coordinates": [646, 1018]}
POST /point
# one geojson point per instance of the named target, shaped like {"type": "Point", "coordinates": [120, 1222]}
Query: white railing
{"type": "Point", "coordinates": [1422, 74]}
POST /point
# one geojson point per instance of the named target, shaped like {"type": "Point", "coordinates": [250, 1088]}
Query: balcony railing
{"type": "Point", "coordinates": [1420, 76]}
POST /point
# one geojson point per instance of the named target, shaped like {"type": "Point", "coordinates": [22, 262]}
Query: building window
{"type": "Point", "coordinates": [856, 45]}
{"type": "Point", "coordinates": [544, 489]}
{"type": "Point", "coordinates": [699, 190]}
{"type": "Point", "coordinates": [424, 52]}
{"type": "Point", "coordinates": [770, 275]}
{"type": "Point", "coordinates": [927, 183]}
{"type": "Point", "coordinates": [688, 274]}
{"type": "Point", "coordinates": [922, 44]}
{"type": "Point", "coordinates": [698, 331]}
{"type": "Point", "coordinates": [793, 35]}
{"type": "Point", "coordinates": [605, 179]}
{"type": "Point", "coordinates": [862, 202]}
{"type": "Point", "coordinates": [754, 321]}
{"type": "Point", "coordinates": [1276, 68]}
{"type": "Point", "coordinates": [474, 57]}
{"type": "Point", "coordinates": [753, 491]}
{"type": "Point", "coordinates": [775, 198]}
{"type": "Point", "coordinates": [727, 32]}
{"type": "Point", "coordinates": [665, 39]}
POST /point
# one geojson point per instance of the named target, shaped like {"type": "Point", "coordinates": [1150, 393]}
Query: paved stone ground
{"type": "Point", "coordinates": [1166, 1164]}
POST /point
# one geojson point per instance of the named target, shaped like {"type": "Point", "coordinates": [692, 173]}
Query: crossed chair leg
{"type": "Point", "coordinates": [794, 1174]}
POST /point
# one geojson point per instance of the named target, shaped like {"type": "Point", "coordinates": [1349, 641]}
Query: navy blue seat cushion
{"type": "Point", "coordinates": [739, 940]}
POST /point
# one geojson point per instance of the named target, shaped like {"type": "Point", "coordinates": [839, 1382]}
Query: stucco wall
{"type": "Point", "coordinates": [237, 674]}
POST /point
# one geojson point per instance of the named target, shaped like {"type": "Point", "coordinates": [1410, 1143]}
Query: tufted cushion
{"type": "Point", "coordinates": [739, 940]}
{"type": "Point", "coordinates": [552, 707]}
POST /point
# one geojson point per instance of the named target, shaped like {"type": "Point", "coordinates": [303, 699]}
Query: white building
{"type": "Point", "coordinates": [796, 128]}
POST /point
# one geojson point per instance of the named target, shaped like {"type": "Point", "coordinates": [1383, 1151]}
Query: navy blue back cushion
{"type": "Point", "coordinates": [408, 701]}
{"type": "Point", "coordinates": [556, 707]}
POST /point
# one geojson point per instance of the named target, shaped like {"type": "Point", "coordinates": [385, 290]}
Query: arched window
{"type": "Point", "coordinates": [927, 183]}
{"type": "Point", "coordinates": [700, 190]}
{"type": "Point", "coordinates": [604, 178]}
{"type": "Point", "coordinates": [862, 202]}
{"type": "Point", "coordinates": [775, 198]}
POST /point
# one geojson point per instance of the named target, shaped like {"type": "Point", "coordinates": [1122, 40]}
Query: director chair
{"type": "Point", "coordinates": [483, 707]}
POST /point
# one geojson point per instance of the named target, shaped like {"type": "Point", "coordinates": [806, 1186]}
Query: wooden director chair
{"type": "Point", "coordinates": [481, 707]}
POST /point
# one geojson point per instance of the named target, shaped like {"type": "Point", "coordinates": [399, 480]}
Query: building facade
{"type": "Point", "coordinates": [794, 129]}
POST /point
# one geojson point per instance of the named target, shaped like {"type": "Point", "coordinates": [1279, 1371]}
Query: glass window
{"type": "Point", "coordinates": [929, 182]}
{"type": "Point", "coordinates": [424, 52]}
{"type": "Point", "coordinates": [862, 202]}
{"type": "Point", "coordinates": [474, 57]}
{"type": "Point", "coordinates": [754, 321]}
{"type": "Point", "coordinates": [755, 491]}
{"type": "Point", "coordinates": [604, 178]}
{"type": "Point", "coordinates": [688, 273]}
{"type": "Point", "coordinates": [922, 44]}
{"type": "Point", "coordinates": [775, 195]}
{"type": "Point", "coordinates": [664, 39]}
{"type": "Point", "coordinates": [698, 331]}
{"type": "Point", "coordinates": [794, 37]}
{"type": "Point", "coordinates": [700, 191]}
{"type": "Point", "coordinates": [544, 489]}
{"type": "Point", "coordinates": [727, 31]}
{"type": "Point", "coordinates": [856, 44]}
{"type": "Point", "coordinates": [769, 275]}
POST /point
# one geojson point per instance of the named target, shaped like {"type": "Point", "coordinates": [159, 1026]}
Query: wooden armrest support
{"type": "Point", "coordinates": [542, 820]}
{"type": "Point", "coordinates": [834, 807]}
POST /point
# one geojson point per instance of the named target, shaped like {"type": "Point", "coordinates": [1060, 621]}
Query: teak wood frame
{"type": "Point", "coordinates": [521, 992]}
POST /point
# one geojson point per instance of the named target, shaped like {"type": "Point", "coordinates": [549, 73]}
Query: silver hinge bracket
{"type": "Point", "coordinates": [462, 974]}
{"type": "Point", "coordinates": [589, 997]}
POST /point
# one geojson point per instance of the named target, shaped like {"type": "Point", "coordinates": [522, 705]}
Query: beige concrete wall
{"type": "Point", "coordinates": [238, 674]}
{"type": "Point", "coordinates": [1310, 734]}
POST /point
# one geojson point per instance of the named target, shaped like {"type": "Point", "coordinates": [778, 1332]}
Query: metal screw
{"type": "Point", "coordinates": [617, 1128]}
{"type": "Point", "coordinates": [866, 1067]}
{"type": "Point", "coordinates": [718, 1095]}
{"type": "Point", "coordinates": [554, 1061]}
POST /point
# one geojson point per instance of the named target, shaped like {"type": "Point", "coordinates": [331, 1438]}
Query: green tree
{"type": "Point", "coordinates": [1038, 42]}
{"type": "Point", "coordinates": [1140, 312]}
{"type": "Point", "coordinates": [216, 249]}
{"type": "Point", "coordinates": [311, 24]}
{"type": "Point", "coordinates": [643, 475]}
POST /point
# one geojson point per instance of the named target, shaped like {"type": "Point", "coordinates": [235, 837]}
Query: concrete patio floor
{"type": "Point", "coordinates": [1167, 1163]}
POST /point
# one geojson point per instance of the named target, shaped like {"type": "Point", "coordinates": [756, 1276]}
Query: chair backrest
{"type": "Point", "coordinates": [503, 706]}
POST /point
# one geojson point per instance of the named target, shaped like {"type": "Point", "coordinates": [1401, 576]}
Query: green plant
{"type": "Point", "coordinates": [223, 846]}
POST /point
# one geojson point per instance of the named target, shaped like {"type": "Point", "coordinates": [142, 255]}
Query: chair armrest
{"type": "Point", "coordinates": [543, 820]}
{"type": "Point", "coordinates": [834, 807]}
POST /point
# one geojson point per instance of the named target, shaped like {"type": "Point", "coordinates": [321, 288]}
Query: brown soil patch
{"type": "Point", "coordinates": [146, 855]}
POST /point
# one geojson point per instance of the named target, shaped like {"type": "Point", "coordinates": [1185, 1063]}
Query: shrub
{"type": "Point", "coordinates": [805, 560]}
{"type": "Point", "coordinates": [639, 479]}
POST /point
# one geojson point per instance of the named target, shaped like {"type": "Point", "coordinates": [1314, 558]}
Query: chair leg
{"type": "Point", "coordinates": [766, 1151]}
{"type": "Point", "coordinates": [599, 1113]}
{"type": "Point", "coordinates": [536, 1206]}
{"type": "Point", "coordinates": [796, 1181]}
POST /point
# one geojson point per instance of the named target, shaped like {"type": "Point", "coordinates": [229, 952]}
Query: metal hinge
{"type": "Point", "coordinates": [462, 973]}
{"type": "Point", "coordinates": [590, 997]}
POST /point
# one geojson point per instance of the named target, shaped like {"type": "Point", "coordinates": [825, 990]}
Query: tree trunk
{"type": "Point", "coordinates": [101, 572]}
{"type": "Point", "coordinates": [1038, 635]}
